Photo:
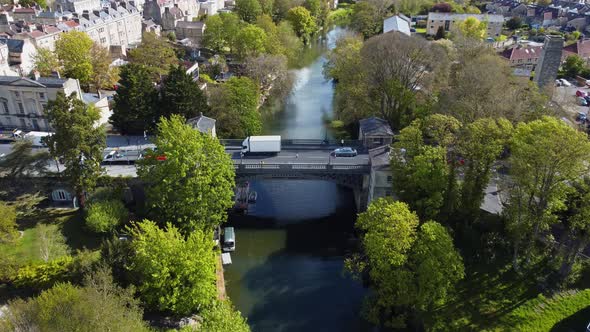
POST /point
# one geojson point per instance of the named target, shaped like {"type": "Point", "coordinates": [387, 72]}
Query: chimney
{"type": "Point", "coordinates": [96, 12]}
{"type": "Point", "coordinates": [176, 5]}
{"type": "Point", "coordinates": [167, 10]}
{"type": "Point", "coordinates": [132, 3]}
{"type": "Point", "coordinates": [36, 75]}
{"type": "Point", "coordinates": [86, 15]}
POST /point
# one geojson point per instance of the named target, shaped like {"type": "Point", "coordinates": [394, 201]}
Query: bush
{"type": "Point", "coordinates": [8, 232]}
{"type": "Point", "coordinates": [45, 275]}
{"type": "Point", "coordinates": [105, 216]}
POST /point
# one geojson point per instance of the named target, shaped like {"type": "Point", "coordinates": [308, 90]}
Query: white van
{"type": "Point", "coordinates": [229, 239]}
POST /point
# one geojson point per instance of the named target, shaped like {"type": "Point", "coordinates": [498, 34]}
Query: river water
{"type": "Point", "coordinates": [287, 271]}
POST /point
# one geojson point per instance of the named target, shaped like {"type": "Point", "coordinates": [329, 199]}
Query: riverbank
{"type": "Point", "coordinates": [220, 278]}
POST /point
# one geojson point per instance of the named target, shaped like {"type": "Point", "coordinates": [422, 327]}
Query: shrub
{"type": "Point", "coordinates": [8, 232]}
{"type": "Point", "coordinates": [104, 216]}
{"type": "Point", "coordinates": [41, 276]}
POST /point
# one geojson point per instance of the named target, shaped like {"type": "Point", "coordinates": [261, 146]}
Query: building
{"type": "Point", "coordinates": [22, 100]}
{"type": "Point", "coordinates": [151, 26]}
{"type": "Point", "coordinates": [203, 124]}
{"type": "Point", "coordinates": [101, 103]}
{"type": "Point", "coordinates": [448, 21]}
{"type": "Point", "coordinates": [77, 6]}
{"type": "Point", "coordinates": [20, 55]}
{"type": "Point", "coordinates": [5, 69]}
{"type": "Point", "coordinates": [170, 17]}
{"type": "Point", "coordinates": [549, 62]}
{"type": "Point", "coordinates": [581, 48]}
{"type": "Point", "coordinates": [380, 178]}
{"type": "Point", "coordinates": [374, 132]}
{"type": "Point", "coordinates": [523, 56]}
{"type": "Point", "coordinates": [397, 23]}
{"type": "Point", "coordinates": [40, 35]}
{"type": "Point", "coordinates": [190, 30]}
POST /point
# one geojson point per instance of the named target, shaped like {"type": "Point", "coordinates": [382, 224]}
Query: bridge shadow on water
{"type": "Point", "coordinates": [298, 285]}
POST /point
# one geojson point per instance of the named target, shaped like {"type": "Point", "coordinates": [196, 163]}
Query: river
{"type": "Point", "coordinates": [287, 271]}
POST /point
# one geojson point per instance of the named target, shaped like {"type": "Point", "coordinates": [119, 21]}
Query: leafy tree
{"type": "Point", "coordinates": [181, 95]}
{"type": "Point", "coordinates": [281, 8]}
{"type": "Point", "coordinates": [173, 274]}
{"type": "Point", "coordinates": [192, 188]}
{"type": "Point", "coordinates": [27, 205]}
{"type": "Point", "coordinates": [248, 10]}
{"type": "Point", "coordinates": [22, 161]}
{"type": "Point", "coordinates": [411, 269]}
{"type": "Point", "coordinates": [40, 276]}
{"type": "Point", "coordinates": [481, 85]}
{"type": "Point", "coordinates": [480, 144]}
{"type": "Point", "coordinates": [8, 231]}
{"type": "Point", "coordinates": [273, 44]}
{"type": "Point", "coordinates": [291, 44]}
{"type": "Point", "coordinates": [221, 31]}
{"type": "Point", "coordinates": [77, 141]}
{"type": "Point", "coordinates": [154, 53]}
{"type": "Point", "coordinates": [514, 23]}
{"type": "Point", "coordinates": [547, 155]}
{"type": "Point", "coordinates": [573, 65]}
{"type": "Point", "coordinates": [267, 6]}
{"type": "Point", "coordinates": [303, 23]}
{"type": "Point", "coordinates": [31, 3]}
{"type": "Point", "coordinates": [234, 104]}
{"type": "Point", "coordinates": [314, 7]}
{"type": "Point", "coordinates": [222, 317]}
{"type": "Point", "coordinates": [103, 75]}
{"type": "Point", "coordinates": [104, 216]}
{"type": "Point", "coordinates": [473, 28]}
{"type": "Point", "coordinates": [270, 72]}
{"type": "Point", "coordinates": [73, 51]}
{"type": "Point", "coordinates": [135, 102]}
{"type": "Point", "coordinates": [98, 306]}
{"type": "Point", "coordinates": [52, 243]}
{"type": "Point", "coordinates": [250, 41]}
{"type": "Point", "coordinates": [45, 62]}
{"type": "Point", "coordinates": [365, 19]}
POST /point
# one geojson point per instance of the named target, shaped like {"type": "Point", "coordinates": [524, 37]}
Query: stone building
{"type": "Point", "coordinates": [374, 132]}
{"type": "Point", "coordinates": [546, 70]}
{"type": "Point", "coordinates": [77, 6]}
{"type": "Point", "coordinates": [22, 100]}
{"type": "Point", "coordinates": [190, 30]}
{"type": "Point", "coordinates": [448, 21]}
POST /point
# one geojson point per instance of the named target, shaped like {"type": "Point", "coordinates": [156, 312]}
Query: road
{"type": "Point", "coordinates": [289, 155]}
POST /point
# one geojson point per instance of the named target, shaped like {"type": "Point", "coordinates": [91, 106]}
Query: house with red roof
{"type": "Point", "coordinates": [580, 48]}
{"type": "Point", "coordinates": [523, 56]}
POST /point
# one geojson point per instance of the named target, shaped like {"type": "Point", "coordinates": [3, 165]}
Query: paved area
{"type": "Point", "coordinates": [566, 98]}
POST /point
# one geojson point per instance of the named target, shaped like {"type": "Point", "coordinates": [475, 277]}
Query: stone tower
{"type": "Point", "coordinates": [546, 70]}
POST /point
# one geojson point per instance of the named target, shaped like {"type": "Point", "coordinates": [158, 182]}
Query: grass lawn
{"type": "Point", "coordinates": [27, 249]}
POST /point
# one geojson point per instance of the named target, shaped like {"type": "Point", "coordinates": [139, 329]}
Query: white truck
{"type": "Point", "coordinates": [36, 137]}
{"type": "Point", "coordinates": [261, 144]}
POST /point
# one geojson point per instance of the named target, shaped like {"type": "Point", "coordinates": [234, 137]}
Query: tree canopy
{"type": "Point", "coordinates": [173, 273]}
{"type": "Point", "coordinates": [77, 141]}
{"type": "Point", "coordinates": [154, 53]}
{"type": "Point", "coordinates": [193, 187]}
{"type": "Point", "coordinates": [181, 95]}
{"type": "Point", "coordinates": [303, 22]}
{"type": "Point", "coordinates": [73, 49]}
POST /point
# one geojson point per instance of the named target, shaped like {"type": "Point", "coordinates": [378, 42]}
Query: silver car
{"type": "Point", "coordinates": [345, 152]}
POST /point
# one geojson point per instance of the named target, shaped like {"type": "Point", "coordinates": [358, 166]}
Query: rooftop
{"type": "Point", "coordinates": [495, 18]}
{"type": "Point", "coordinates": [203, 123]}
{"type": "Point", "coordinates": [375, 126]}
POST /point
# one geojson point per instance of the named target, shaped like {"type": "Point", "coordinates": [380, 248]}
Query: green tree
{"type": "Point", "coordinates": [31, 3]}
{"type": "Point", "coordinates": [365, 19]}
{"type": "Point", "coordinates": [104, 216]}
{"type": "Point", "coordinates": [22, 161]}
{"type": "Point", "coordinates": [250, 41]}
{"type": "Point", "coordinates": [273, 44]}
{"type": "Point", "coordinates": [73, 51]}
{"type": "Point", "coordinates": [193, 187]}
{"type": "Point", "coordinates": [98, 306]}
{"type": "Point", "coordinates": [135, 102]}
{"type": "Point", "coordinates": [221, 31]}
{"type": "Point", "coordinates": [173, 273]}
{"type": "Point", "coordinates": [223, 317]}
{"type": "Point", "coordinates": [103, 75]}
{"type": "Point", "coordinates": [291, 44]}
{"type": "Point", "coordinates": [514, 23]}
{"type": "Point", "coordinates": [547, 155]}
{"type": "Point", "coordinates": [234, 105]}
{"type": "Point", "coordinates": [8, 231]}
{"type": "Point", "coordinates": [573, 65]}
{"type": "Point", "coordinates": [248, 10]}
{"type": "Point", "coordinates": [473, 28]}
{"type": "Point", "coordinates": [45, 62]}
{"type": "Point", "coordinates": [303, 23]}
{"type": "Point", "coordinates": [267, 6]}
{"type": "Point", "coordinates": [181, 95]}
{"type": "Point", "coordinates": [154, 53]}
{"type": "Point", "coordinates": [314, 7]}
{"type": "Point", "coordinates": [411, 269]}
{"type": "Point", "coordinates": [480, 144]}
{"type": "Point", "coordinates": [77, 141]}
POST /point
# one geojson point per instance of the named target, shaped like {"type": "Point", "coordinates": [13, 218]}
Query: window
{"type": "Point", "coordinates": [16, 94]}
{"type": "Point", "coordinates": [23, 124]}
{"type": "Point", "coordinates": [389, 179]}
{"type": "Point", "coordinates": [5, 105]}
{"type": "Point", "coordinates": [43, 106]}
{"type": "Point", "coordinates": [388, 193]}
{"type": "Point", "coordinates": [103, 40]}
{"type": "Point", "coordinates": [21, 109]}
{"type": "Point", "coordinates": [101, 30]}
{"type": "Point", "coordinates": [42, 95]}
{"type": "Point", "coordinates": [447, 25]}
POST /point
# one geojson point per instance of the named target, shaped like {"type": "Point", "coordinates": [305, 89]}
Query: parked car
{"type": "Point", "coordinates": [345, 152]}
{"type": "Point", "coordinates": [581, 116]}
{"type": "Point", "coordinates": [565, 82]}
{"type": "Point", "coordinates": [558, 83]}
{"type": "Point", "coordinates": [582, 101]}
{"type": "Point", "coordinates": [587, 99]}
{"type": "Point", "coordinates": [580, 93]}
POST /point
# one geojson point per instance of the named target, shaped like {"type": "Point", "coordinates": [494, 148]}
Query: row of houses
{"type": "Point", "coordinates": [526, 54]}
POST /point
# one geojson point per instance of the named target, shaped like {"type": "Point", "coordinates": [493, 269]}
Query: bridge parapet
{"type": "Point", "coordinates": [301, 143]}
{"type": "Point", "coordinates": [302, 168]}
